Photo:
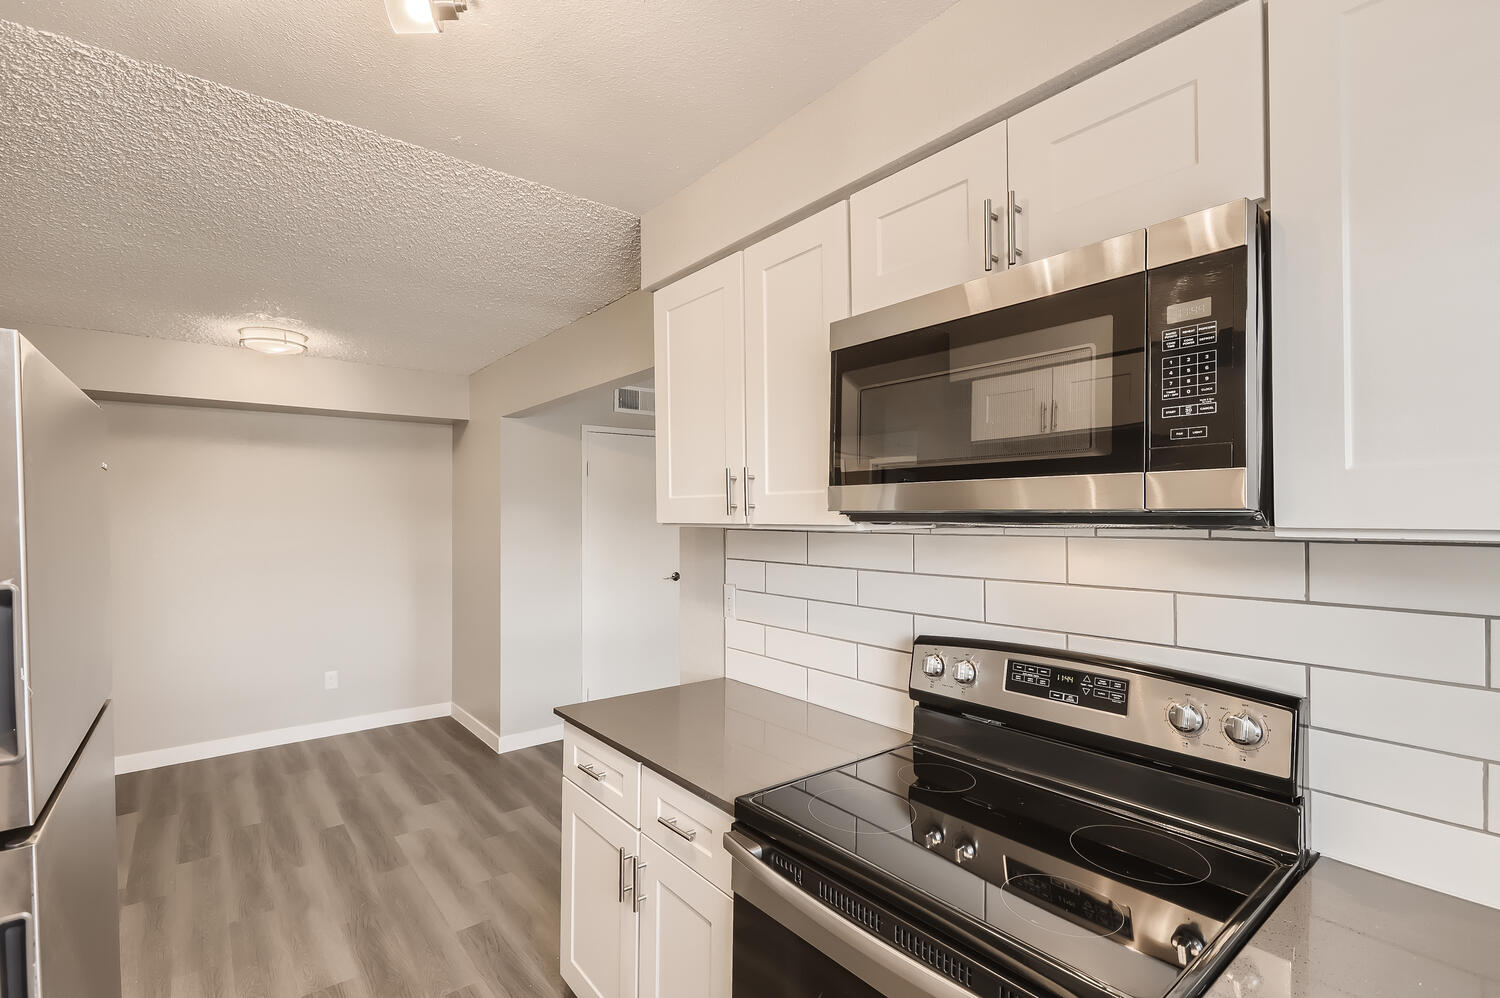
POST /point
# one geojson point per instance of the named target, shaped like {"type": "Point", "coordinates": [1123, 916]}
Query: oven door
{"type": "Point", "coordinates": [789, 945]}
{"type": "Point", "coordinates": [1020, 392]}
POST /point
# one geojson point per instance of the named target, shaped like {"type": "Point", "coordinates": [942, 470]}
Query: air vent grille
{"type": "Point", "coordinates": [936, 957]}
{"type": "Point", "coordinates": [787, 867]}
{"type": "Point", "coordinates": [637, 400]}
{"type": "Point", "coordinates": [851, 907]}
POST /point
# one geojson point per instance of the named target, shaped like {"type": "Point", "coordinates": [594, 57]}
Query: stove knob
{"type": "Point", "coordinates": [1188, 942]}
{"type": "Point", "coordinates": [1185, 718]}
{"type": "Point", "coordinates": [1242, 729]}
{"type": "Point", "coordinates": [966, 851]}
{"type": "Point", "coordinates": [933, 664]}
{"type": "Point", "coordinates": [934, 837]}
{"type": "Point", "coordinates": [965, 672]}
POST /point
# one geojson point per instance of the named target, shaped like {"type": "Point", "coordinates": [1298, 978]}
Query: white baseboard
{"type": "Point", "coordinates": [477, 728]}
{"type": "Point", "coordinates": [526, 739]}
{"type": "Point", "coordinates": [280, 736]}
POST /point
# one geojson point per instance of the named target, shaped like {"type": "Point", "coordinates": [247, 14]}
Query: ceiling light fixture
{"type": "Point", "coordinates": [422, 17]}
{"type": "Point", "coordinates": [269, 339]}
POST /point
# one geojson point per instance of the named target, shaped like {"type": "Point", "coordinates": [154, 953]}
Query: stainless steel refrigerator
{"type": "Point", "coordinates": [59, 920]}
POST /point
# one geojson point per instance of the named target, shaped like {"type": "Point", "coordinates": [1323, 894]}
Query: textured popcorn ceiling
{"type": "Point", "coordinates": [137, 199]}
{"type": "Point", "coordinates": [622, 101]}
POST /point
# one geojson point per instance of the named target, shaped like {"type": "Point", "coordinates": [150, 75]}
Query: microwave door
{"type": "Point", "coordinates": [1037, 406]}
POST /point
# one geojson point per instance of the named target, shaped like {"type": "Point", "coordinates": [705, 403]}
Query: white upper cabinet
{"type": "Point", "coordinates": [797, 283]}
{"type": "Point", "coordinates": [687, 930]}
{"type": "Point", "coordinates": [926, 228]}
{"type": "Point", "coordinates": [1175, 129]}
{"type": "Point", "coordinates": [598, 944]}
{"type": "Point", "coordinates": [1386, 207]}
{"type": "Point", "coordinates": [700, 378]}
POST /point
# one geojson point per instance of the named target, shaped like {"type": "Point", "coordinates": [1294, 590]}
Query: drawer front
{"type": "Point", "coordinates": [605, 774]}
{"type": "Point", "coordinates": [687, 826]}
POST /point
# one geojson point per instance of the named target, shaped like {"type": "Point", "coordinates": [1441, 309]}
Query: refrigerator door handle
{"type": "Point", "coordinates": [17, 956]}
{"type": "Point", "coordinates": [12, 677]}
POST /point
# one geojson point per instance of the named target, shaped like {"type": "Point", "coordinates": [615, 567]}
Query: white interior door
{"type": "Point", "coordinates": [630, 595]}
{"type": "Point", "coordinates": [1178, 128]}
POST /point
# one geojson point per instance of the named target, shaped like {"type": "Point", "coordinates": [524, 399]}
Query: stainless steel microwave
{"type": "Point", "coordinates": [1123, 382]}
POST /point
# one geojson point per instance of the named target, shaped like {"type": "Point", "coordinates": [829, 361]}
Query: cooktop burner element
{"type": "Point", "coordinates": [938, 777]}
{"type": "Point", "coordinates": [1064, 857]}
{"type": "Point", "coordinates": [1141, 854]}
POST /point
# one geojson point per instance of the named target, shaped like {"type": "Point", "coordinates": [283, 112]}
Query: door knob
{"type": "Point", "coordinates": [674, 577]}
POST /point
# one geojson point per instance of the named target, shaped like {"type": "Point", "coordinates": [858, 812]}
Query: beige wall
{"type": "Point", "coordinates": [974, 65]}
{"type": "Point", "coordinates": [112, 365]}
{"type": "Point", "coordinates": [252, 551]}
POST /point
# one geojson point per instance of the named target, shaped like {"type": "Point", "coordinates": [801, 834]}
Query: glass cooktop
{"type": "Point", "coordinates": [1123, 902]}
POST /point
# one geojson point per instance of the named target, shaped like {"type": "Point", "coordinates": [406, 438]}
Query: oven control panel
{"type": "Point", "coordinates": [1152, 708]}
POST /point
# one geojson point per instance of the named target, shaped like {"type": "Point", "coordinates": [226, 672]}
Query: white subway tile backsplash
{"type": "Point", "coordinates": [767, 673]}
{"type": "Point", "coordinates": [766, 545]}
{"type": "Point", "coordinates": [1442, 857]}
{"type": "Point", "coordinates": [835, 585]}
{"type": "Point", "coordinates": [1447, 578]}
{"type": "Point", "coordinates": [973, 630]}
{"type": "Point", "coordinates": [1116, 613]}
{"type": "Point", "coordinates": [1275, 571]}
{"type": "Point", "coordinates": [880, 704]}
{"type": "Point", "coordinates": [857, 623]}
{"type": "Point", "coordinates": [748, 575]}
{"type": "Point", "coordinates": [1492, 792]}
{"type": "Point", "coordinates": [812, 650]}
{"type": "Point", "coordinates": [1033, 559]}
{"type": "Point", "coordinates": [922, 594]}
{"type": "Point", "coordinates": [1453, 719]}
{"type": "Point", "coordinates": [885, 667]}
{"type": "Point", "coordinates": [777, 611]}
{"type": "Point", "coordinates": [1284, 677]}
{"type": "Point", "coordinates": [882, 552]}
{"type": "Point", "coordinates": [1408, 779]}
{"type": "Point", "coordinates": [1418, 645]}
{"type": "Point", "coordinates": [1494, 627]}
{"type": "Point", "coordinates": [745, 636]}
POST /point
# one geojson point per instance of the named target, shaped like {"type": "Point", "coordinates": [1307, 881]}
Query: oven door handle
{"type": "Point", "coordinates": [875, 961]}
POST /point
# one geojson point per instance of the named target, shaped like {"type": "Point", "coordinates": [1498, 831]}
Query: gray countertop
{"type": "Point", "coordinates": [723, 738]}
{"type": "Point", "coordinates": [1344, 932]}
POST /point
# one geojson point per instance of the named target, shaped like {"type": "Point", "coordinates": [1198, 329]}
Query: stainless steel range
{"type": "Point", "coordinates": [1059, 825]}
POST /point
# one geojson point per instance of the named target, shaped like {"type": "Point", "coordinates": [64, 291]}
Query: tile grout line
{"type": "Point", "coordinates": [1396, 810]}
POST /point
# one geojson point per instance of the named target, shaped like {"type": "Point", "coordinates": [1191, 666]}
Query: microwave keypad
{"type": "Point", "coordinates": [1190, 372]}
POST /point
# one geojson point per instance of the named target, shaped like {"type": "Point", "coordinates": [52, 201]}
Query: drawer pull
{"type": "Point", "coordinates": [671, 825]}
{"type": "Point", "coordinates": [591, 772]}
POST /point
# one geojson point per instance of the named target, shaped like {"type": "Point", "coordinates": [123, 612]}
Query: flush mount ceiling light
{"type": "Point", "coordinates": [422, 17]}
{"type": "Point", "coordinates": [269, 339]}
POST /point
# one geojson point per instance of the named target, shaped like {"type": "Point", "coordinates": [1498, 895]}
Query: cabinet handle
{"type": "Point", "coordinates": [749, 491]}
{"type": "Point", "coordinates": [1054, 415]}
{"type": "Point", "coordinates": [591, 772]}
{"type": "Point", "coordinates": [624, 887]}
{"type": "Point", "coordinates": [635, 881]}
{"type": "Point", "coordinates": [671, 825]}
{"type": "Point", "coordinates": [990, 218]}
{"type": "Point", "coordinates": [1043, 427]}
{"type": "Point", "coordinates": [729, 480]}
{"type": "Point", "coordinates": [1012, 210]}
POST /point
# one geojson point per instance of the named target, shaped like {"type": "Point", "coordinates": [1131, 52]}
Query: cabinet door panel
{"type": "Point", "coordinates": [700, 377]}
{"type": "Point", "coordinates": [797, 283]}
{"type": "Point", "coordinates": [923, 229]}
{"type": "Point", "coordinates": [687, 934]}
{"type": "Point", "coordinates": [1383, 255]}
{"type": "Point", "coordinates": [598, 943]}
{"type": "Point", "coordinates": [1178, 128]}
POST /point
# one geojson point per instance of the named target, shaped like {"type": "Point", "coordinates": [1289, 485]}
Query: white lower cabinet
{"type": "Point", "coordinates": [687, 933]}
{"type": "Point", "coordinates": [598, 945]}
{"type": "Point", "coordinates": [636, 919]}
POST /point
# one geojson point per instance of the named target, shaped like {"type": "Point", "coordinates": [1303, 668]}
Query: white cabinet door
{"type": "Point", "coordinates": [598, 945]}
{"type": "Point", "coordinates": [1178, 128]}
{"type": "Point", "coordinates": [687, 930]}
{"type": "Point", "coordinates": [1383, 254]}
{"type": "Point", "coordinates": [700, 408]}
{"type": "Point", "coordinates": [796, 284]}
{"type": "Point", "coordinates": [925, 228]}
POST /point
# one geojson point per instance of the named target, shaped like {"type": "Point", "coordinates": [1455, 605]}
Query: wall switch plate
{"type": "Point", "coordinates": [331, 679]}
{"type": "Point", "coordinates": [729, 601]}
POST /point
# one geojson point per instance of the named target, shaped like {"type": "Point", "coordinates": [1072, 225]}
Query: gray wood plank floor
{"type": "Point", "coordinates": [403, 862]}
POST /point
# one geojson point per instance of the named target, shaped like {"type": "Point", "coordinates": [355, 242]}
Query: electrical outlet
{"type": "Point", "coordinates": [331, 679]}
{"type": "Point", "coordinates": [729, 601]}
